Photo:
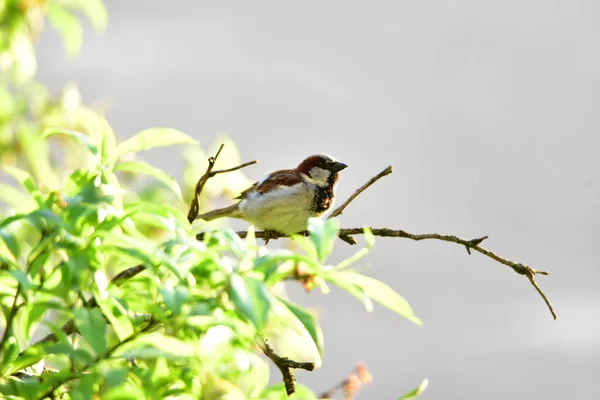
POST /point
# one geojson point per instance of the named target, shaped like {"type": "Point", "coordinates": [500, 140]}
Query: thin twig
{"type": "Point", "coordinates": [340, 209]}
{"type": "Point", "coordinates": [243, 165]}
{"type": "Point", "coordinates": [195, 206]}
{"type": "Point", "coordinates": [285, 365]}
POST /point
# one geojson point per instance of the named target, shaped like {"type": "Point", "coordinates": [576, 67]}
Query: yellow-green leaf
{"type": "Point", "coordinates": [416, 392]}
{"type": "Point", "coordinates": [376, 290]}
{"type": "Point", "coordinates": [140, 167]}
{"type": "Point", "coordinates": [152, 138]}
{"type": "Point", "coordinates": [251, 298]}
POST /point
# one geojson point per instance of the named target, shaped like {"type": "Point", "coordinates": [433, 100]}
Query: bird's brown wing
{"type": "Point", "coordinates": [283, 177]}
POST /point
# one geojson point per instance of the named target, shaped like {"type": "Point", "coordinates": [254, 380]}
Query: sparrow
{"type": "Point", "coordinates": [284, 200]}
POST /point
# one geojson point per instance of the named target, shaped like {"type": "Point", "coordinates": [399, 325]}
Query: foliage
{"type": "Point", "coordinates": [192, 323]}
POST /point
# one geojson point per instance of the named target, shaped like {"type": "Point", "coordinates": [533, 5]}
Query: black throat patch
{"type": "Point", "coordinates": [324, 195]}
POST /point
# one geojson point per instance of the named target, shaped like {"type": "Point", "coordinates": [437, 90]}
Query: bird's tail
{"type": "Point", "coordinates": [232, 212]}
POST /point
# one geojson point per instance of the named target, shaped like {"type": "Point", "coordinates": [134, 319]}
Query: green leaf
{"type": "Point", "coordinates": [376, 290]}
{"type": "Point", "coordinates": [83, 388]}
{"type": "Point", "coordinates": [97, 128]}
{"type": "Point", "coordinates": [140, 167]}
{"type": "Point", "coordinates": [30, 356]}
{"type": "Point", "coordinates": [116, 315]}
{"type": "Point", "coordinates": [36, 152]}
{"type": "Point", "coordinates": [352, 259]}
{"type": "Point", "coordinates": [309, 321]}
{"type": "Point", "coordinates": [352, 289]}
{"type": "Point", "coordinates": [417, 392]}
{"type": "Point", "coordinates": [23, 54]}
{"type": "Point", "coordinates": [152, 138]}
{"type": "Point", "coordinates": [16, 199]}
{"type": "Point", "coordinates": [24, 178]}
{"type": "Point", "coordinates": [11, 242]}
{"type": "Point", "coordinates": [68, 25]}
{"type": "Point", "coordinates": [80, 137]}
{"type": "Point", "coordinates": [277, 392]}
{"type": "Point", "coordinates": [175, 298]}
{"type": "Point", "coordinates": [323, 234]}
{"type": "Point", "coordinates": [9, 353]}
{"type": "Point", "coordinates": [92, 326]}
{"type": "Point", "coordinates": [369, 237]}
{"type": "Point", "coordinates": [30, 316]}
{"type": "Point", "coordinates": [124, 392]}
{"type": "Point", "coordinates": [154, 345]}
{"type": "Point", "coordinates": [233, 241]}
{"type": "Point", "coordinates": [251, 298]}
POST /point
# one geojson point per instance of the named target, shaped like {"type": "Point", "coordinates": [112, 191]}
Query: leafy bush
{"type": "Point", "coordinates": [181, 317]}
{"type": "Point", "coordinates": [189, 324]}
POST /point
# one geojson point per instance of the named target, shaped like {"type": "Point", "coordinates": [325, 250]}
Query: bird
{"type": "Point", "coordinates": [282, 202]}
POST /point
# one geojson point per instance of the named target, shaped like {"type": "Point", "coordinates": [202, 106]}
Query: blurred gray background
{"type": "Point", "coordinates": [488, 111]}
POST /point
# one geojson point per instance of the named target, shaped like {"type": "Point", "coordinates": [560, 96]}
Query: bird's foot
{"type": "Point", "coordinates": [270, 234]}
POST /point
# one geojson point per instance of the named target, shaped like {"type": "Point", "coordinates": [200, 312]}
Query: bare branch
{"type": "Point", "coordinates": [195, 207]}
{"type": "Point", "coordinates": [222, 171]}
{"type": "Point", "coordinates": [340, 209]}
{"type": "Point", "coordinates": [470, 244]}
{"type": "Point", "coordinates": [285, 365]}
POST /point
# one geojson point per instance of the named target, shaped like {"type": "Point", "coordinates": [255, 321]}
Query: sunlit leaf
{"type": "Point", "coordinates": [68, 25]}
{"type": "Point", "coordinates": [309, 322]}
{"type": "Point", "coordinates": [323, 234]}
{"type": "Point", "coordinates": [416, 392]}
{"type": "Point", "coordinates": [125, 392]}
{"type": "Point", "coordinates": [278, 392]}
{"type": "Point", "coordinates": [116, 315]}
{"type": "Point", "coordinates": [11, 242]}
{"type": "Point", "coordinates": [152, 138]}
{"type": "Point", "coordinates": [24, 178]}
{"type": "Point", "coordinates": [23, 54]}
{"type": "Point", "coordinates": [352, 289]}
{"type": "Point", "coordinates": [157, 344]}
{"type": "Point", "coordinates": [16, 199]}
{"type": "Point", "coordinates": [251, 298]}
{"type": "Point", "coordinates": [222, 389]}
{"type": "Point", "coordinates": [98, 129]}
{"type": "Point", "coordinates": [9, 351]}
{"type": "Point", "coordinates": [369, 237]}
{"type": "Point", "coordinates": [37, 154]}
{"type": "Point", "coordinates": [140, 167]}
{"type": "Point", "coordinates": [175, 298]}
{"type": "Point", "coordinates": [30, 316]}
{"type": "Point", "coordinates": [374, 289]}
{"type": "Point", "coordinates": [82, 138]}
{"type": "Point", "coordinates": [92, 326]}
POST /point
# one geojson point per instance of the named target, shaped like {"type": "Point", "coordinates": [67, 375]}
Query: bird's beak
{"type": "Point", "coordinates": [338, 166]}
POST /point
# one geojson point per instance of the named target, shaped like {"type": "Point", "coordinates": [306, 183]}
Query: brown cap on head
{"type": "Point", "coordinates": [323, 161]}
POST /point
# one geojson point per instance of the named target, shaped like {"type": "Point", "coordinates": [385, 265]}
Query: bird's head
{"type": "Point", "coordinates": [322, 169]}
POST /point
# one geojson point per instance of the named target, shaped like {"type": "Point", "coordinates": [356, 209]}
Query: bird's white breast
{"type": "Point", "coordinates": [284, 209]}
